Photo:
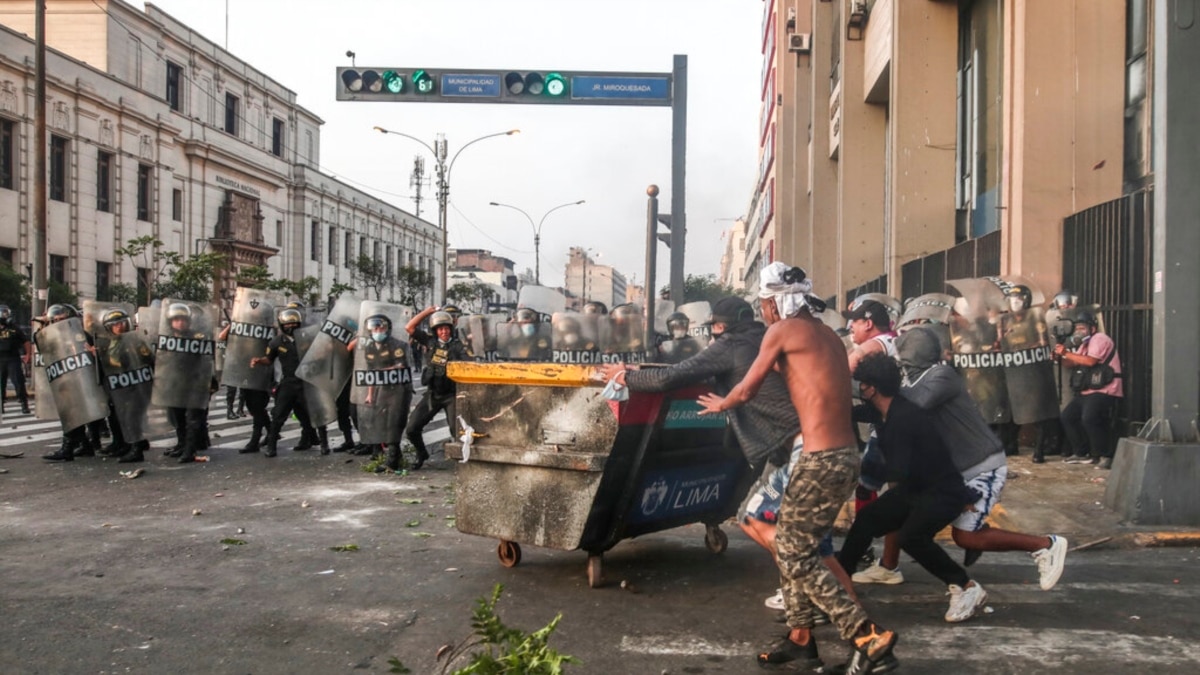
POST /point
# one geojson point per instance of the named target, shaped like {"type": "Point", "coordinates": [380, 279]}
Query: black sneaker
{"type": "Point", "coordinates": [801, 657]}
{"type": "Point", "coordinates": [870, 649]}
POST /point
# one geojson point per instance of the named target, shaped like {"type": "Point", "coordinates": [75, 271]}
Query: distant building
{"type": "Point", "coordinates": [494, 273]}
{"type": "Point", "coordinates": [585, 280]}
{"type": "Point", "coordinates": [733, 260]}
{"type": "Point", "coordinates": [156, 131]}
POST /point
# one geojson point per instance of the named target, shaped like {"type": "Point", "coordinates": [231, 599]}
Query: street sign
{"type": "Point", "coordinates": [608, 87]}
{"type": "Point", "coordinates": [476, 85]}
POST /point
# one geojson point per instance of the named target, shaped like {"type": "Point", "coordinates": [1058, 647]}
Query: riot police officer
{"type": "Point", "coordinates": [189, 415]}
{"type": "Point", "coordinates": [679, 346]}
{"type": "Point", "coordinates": [383, 366]}
{"type": "Point", "coordinates": [528, 343]}
{"type": "Point", "coordinates": [440, 348]}
{"type": "Point", "coordinates": [74, 441]}
{"type": "Point", "coordinates": [14, 353]}
{"type": "Point", "coordinates": [127, 362]}
{"type": "Point", "coordinates": [289, 394]}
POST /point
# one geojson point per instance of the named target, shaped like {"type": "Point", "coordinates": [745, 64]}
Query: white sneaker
{"type": "Point", "coordinates": [878, 574]}
{"type": "Point", "coordinates": [775, 601]}
{"type": "Point", "coordinates": [964, 602]}
{"type": "Point", "coordinates": [1050, 562]}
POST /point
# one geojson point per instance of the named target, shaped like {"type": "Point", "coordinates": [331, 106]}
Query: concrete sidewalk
{"type": "Point", "coordinates": [1068, 499]}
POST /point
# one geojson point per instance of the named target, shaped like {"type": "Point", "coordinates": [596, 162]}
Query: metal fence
{"type": "Point", "coordinates": [1106, 262]}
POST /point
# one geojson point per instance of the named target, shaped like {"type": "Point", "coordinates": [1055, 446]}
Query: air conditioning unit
{"type": "Point", "coordinates": [801, 43]}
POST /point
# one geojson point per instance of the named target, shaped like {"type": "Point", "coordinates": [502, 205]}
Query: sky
{"type": "Point", "coordinates": [606, 155]}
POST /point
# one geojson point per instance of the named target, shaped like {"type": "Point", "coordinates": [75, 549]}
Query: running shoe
{"type": "Point", "coordinates": [964, 602]}
{"type": "Point", "coordinates": [775, 601]}
{"type": "Point", "coordinates": [1050, 562]}
{"type": "Point", "coordinates": [878, 574]}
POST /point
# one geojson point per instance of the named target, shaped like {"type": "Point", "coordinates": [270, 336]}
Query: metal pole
{"type": "Point", "coordinates": [537, 257]}
{"type": "Point", "coordinates": [651, 261]}
{"type": "Point", "coordinates": [40, 294]}
{"type": "Point", "coordinates": [678, 172]}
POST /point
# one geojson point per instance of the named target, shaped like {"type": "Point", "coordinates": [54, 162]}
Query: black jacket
{"type": "Point", "coordinates": [767, 424]}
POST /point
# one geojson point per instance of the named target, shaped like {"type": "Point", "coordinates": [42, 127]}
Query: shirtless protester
{"type": "Point", "coordinates": [812, 360]}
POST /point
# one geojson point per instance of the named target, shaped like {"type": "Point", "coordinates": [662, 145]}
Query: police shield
{"type": "Point", "coordinates": [698, 314]}
{"type": "Point", "coordinates": [382, 378]}
{"type": "Point", "coordinates": [127, 373]}
{"type": "Point", "coordinates": [251, 328]}
{"type": "Point", "coordinates": [975, 338]}
{"type": "Point", "coordinates": [1028, 367]}
{"type": "Point", "coordinates": [932, 310]}
{"type": "Point", "coordinates": [575, 337]}
{"type": "Point", "coordinates": [525, 338]}
{"type": "Point", "coordinates": [43, 398]}
{"type": "Point", "coordinates": [542, 299]}
{"type": "Point", "coordinates": [146, 324]}
{"type": "Point", "coordinates": [71, 373]}
{"type": "Point", "coordinates": [627, 338]}
{"type": "Point", "coordinates": [327, 362]}
{"type": "Point", "coordinates": [184, 355]}
{"type": "Point", "coordinates": [321, 404]}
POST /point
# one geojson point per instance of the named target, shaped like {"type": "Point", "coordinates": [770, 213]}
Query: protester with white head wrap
{"type": "Point", "coordinates": [790, 288]}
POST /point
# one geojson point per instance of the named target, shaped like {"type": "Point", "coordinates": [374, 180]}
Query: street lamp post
{"type": "Point", "coordinates": [439, 150]}
{"type": "Point", "coordinates": [537, 234]}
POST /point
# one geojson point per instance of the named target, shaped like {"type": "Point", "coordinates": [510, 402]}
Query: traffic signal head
{"type": "Point", "coordinates": [422, 82]}
{"type": "Point", "coordinates": [551, 85]}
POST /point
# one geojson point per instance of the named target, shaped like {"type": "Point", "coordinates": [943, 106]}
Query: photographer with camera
{"type": "Point", "coordinates": [1096, 379]}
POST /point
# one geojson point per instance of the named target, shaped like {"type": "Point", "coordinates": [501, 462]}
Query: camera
{"type": "Point", "coordinates": [1062, 330]}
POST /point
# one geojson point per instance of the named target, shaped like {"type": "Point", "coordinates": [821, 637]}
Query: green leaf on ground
{"type": "Point", "coordinates": [233, 542]}
{"type": "Point", "coordinates": [412, 523]}
{"type": "Point", "coordinates": [411, 501]}
{"type": "Point", "coordinates": [344, 548]}
{"type": "Point", "coordinates": [423, 535]}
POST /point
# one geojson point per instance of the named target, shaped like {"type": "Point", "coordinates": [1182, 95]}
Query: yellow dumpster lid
{"type": "Point", "coordinates": [540, 374]}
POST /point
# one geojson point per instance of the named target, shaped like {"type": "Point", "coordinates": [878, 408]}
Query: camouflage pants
{"type": "Point", "coordinates": [820, 483]}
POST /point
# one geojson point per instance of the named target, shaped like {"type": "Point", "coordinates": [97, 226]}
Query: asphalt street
{"type": "Point", "coordinates": [229, 567]}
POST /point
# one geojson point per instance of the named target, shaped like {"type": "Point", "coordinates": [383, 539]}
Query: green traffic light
{"type": "Point", "coordinates": [556, 84]}
{"type": "Point", "coordinates": [393, 81]}
{"type": "Point", "coordinates": [423, 82]}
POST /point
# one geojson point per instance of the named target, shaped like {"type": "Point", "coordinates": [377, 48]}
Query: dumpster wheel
{"type": "Point", "coordinates": [716, 540]}
{"type": "Point", "coordinates": [509, 553]}
{"type": "Point", "coordinates": [595, 570]}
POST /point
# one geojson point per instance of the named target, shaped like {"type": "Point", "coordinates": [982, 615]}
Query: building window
{"type": "Point", "coordinates": [331, 256]}
{"type": "Point", "coordinates": [58, 268]}
{"type": "Point", "coordinates": [174, 76]}
{"type": "Point", "coordinates": [177, 205]}
{"type": "Point", "coordinates": [362, 247]}
{"type": "Point", "coordinates": [277, 137]}
{"type": "Point", "coordinates": [348, 250]}
{"type": "Point", "coordinates": [279, 235]}
{"type": "Point", "coordinates": [315, 236]}
{"type": "Point", "coordinates": [143, 192]}
{"type": "Point", "coordinates": [58, 168]}
{"type": "Point", "coordinates": [310, 157]}
{"type": "Point", "coordinates": [104, 165]}
{"type": "Point", "coordinates": [8, 150]}
{"type": "Point", "coordinates": [978, 149]}
{"type": "Point", "coordinates": [103, 280]}
{"type": "Point", "coordinates": [8, 256]}
{"type": "Point", "coordinates": [375, 253]}
{"type": "Point", "coordinates": [231, 114]}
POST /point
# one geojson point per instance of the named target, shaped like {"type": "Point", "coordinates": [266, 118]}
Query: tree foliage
{"type": "Point", "coordinates": [305, 290]}
{"type": "Point", "coordinates": [371, 275]}
{"type": "Point", "coordinates": [700, 287]}
{"type": "Point", "coordinates": [412, 286]}
{"type": "Point", "coordinates": [14, 288]}
{"type": "Point", "coordinates": [169, 274]}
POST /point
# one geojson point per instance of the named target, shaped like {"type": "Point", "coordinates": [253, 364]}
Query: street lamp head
{"type": "Point", "coordinates": [493, 204]}
{"type": "Point", "coordinates": [580, 202]}
{"type": "Point", "coordinates": [510, 132]}
{"type": "Point", "coordinates": [381, 130]}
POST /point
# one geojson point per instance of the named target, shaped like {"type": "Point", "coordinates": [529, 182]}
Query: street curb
{"type": "Point", "coordinates": [1160, 539]}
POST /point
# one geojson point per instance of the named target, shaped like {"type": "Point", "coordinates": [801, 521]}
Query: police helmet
{"type": "Point", "coordinates": [440, 319]}
{"type": "Point", "coordinates": [379, 320]}
{"type": "Point", "coordinates": [1064, 299]}
{"type": "Point", "coordinates": [296, 304]}
{"type": "Point", "coordinates": [526, 315]}
{"type": "Point", "coordinates": [452, 310]}
{"type": "Point", "coordinates": [1020, 291]}
{"type": "Point", "coordinates": [117, 317]}
{"type": "Point", "coordinates": [58, 312]}
{"type": "Point", "coordinates": [290, 318]}
{"type": "Point", "coordinates": [179, 310]}
{"type": "Point", "coordinates": [595, 307]}
{"type": "Point", "coordinates": [624, 312]}
{"type": "Point", "coordinates": [677, 320]}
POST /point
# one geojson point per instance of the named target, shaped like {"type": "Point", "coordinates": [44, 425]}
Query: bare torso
{"type": "Point", "coordinates": [813, 362]}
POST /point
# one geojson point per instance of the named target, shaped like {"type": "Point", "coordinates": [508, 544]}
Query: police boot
{"type": "Point", "coordinates": [65, 453]}
{"type": "Point", "coordinates": [255, 439]}
{"type": "Point", "coordinates": [229, 414]}
{"type": "Point", "coordinates": [323, 437]}
{"type": "Point", "coordinates": [86, 448]}
{"type": "Point", "coordinates": [272, 440]}
{"type": "Point", "coordinates": [1039, 456]}
{"type": "Point", "coordinates": [25, 408]}
{"type": "Point", "coordinates": [135, 454]}
{"type": "Point", "coordinates": [395, 459]}
{"type": "Point", "coordinates": [114, 449]}
{"type": "Point", "coordinates": [188, 454]}
{"type": "Point", "coordinates": [422, 455]}
{"type": "Point", "coordinates": [348, 445]}
{"type": "Point", "coordinates": [306, 440]}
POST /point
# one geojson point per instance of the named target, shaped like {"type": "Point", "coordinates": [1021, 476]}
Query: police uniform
{"type": "Point", "coordinates": [191, 424]}
{"type": "Point", "coordinates": [440, 390]}
{"type": "Point", "coordinates": [12, 348]}
{"type": "Point", "coordinates": [391, 354]}
{"type": "Point", "coordinates": [289, 394]}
